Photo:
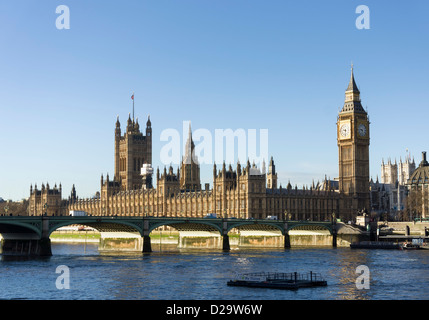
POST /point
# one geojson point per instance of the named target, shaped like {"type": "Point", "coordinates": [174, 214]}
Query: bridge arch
{"type": "Point", "coordinates": [186, 225]}
{"type": "Point", "coordinates": [101, 225]}
{"type": "Point", "coordinates": [257, 226]}
{"type": "Point", "coordinates": [10, 227]}
{"type": "Point", "coordinates": [310, 226]}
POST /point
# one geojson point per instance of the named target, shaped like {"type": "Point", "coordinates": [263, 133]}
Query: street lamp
{"type": "Point", "coordinates": [288, 215]}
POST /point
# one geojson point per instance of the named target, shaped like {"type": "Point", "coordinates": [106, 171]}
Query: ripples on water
{"type": "Point", "coordinates": [202, 274]}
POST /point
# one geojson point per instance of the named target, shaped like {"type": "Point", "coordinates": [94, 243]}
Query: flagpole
{"type": "Point", "coordinates": [133, 107]}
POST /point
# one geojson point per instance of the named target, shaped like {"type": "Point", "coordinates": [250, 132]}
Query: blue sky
{"type": "Point", "coordinates": [251, 64]}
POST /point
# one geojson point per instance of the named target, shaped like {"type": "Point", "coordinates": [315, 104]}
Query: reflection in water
{"type": "Point", "coordinates": [202, 274]}
{"type": "Point", "coordinates": [347, 276]}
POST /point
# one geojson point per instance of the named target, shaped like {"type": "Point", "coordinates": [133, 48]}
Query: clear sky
{"type": "Point", "coordinates": [252, 64]}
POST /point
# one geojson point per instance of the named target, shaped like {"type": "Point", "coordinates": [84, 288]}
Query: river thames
{"type": "Point", "coordinates": [195, 274]}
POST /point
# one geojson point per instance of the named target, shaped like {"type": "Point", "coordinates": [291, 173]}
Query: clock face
{"type": "Point", "coordinates": [345, 130]}
{"type": "Point", "coordinates": [362, 130]}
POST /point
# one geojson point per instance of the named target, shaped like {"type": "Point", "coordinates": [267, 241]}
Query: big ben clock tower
{"type": "Point", "coordinates": [353, 152]}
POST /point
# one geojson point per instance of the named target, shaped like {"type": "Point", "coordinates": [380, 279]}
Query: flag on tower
{"type": "Point", "coordinates": [132, 98]}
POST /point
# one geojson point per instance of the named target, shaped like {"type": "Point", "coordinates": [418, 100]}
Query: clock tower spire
{"type": "Point", "coordinates": [353, 152]}
{"type": "Point", "coordinates": [352, 91]}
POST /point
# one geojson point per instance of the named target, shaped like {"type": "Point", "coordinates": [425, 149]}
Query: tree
{"type": "Point", "coordinates": [414, 203]}
{"type": "Point", "coordinates": [14, 208]}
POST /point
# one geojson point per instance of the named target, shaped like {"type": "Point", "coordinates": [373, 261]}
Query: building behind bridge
{"type": "Point", "coordinates": [242, 192]}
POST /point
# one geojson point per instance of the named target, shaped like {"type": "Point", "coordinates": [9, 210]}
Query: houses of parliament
{"type": "Point", "coordinates": [244, 191]}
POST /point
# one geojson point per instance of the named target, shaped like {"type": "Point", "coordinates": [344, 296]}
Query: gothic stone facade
{"type": "Point", "coordinates": [353, 152]}
{"type": "Point", "coordinates": [132, 150]}
{"type": "Point", "coordinates": [243, 192]}
{"type": "Point", "coordinates": [46, 200]}
{"type": "Point", "coordinates": [418, 186]}
{"type": "Point", "coordinates": [236, 193]}
{"type": "Point", "coordinates": [389, 196]}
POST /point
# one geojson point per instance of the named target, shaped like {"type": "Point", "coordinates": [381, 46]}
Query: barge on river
{"type": "Point", "coordinates": [288, 281]}
{"type": "Point", "coordinates": [414, 245]}
{"type": "Point", "coordinates": [375, 245]}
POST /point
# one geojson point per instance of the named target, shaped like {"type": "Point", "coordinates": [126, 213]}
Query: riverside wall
{"type": "Point", "coordinates": [416, 228]}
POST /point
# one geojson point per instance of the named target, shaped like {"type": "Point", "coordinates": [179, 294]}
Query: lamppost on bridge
{"type": "Point", "coordinates": [287, 215]}
{"type": "Point", "coordinates": [334, 230]}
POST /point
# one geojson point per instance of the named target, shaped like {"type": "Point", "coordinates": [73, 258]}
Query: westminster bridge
{"type": "Point", "coordinates": [30, 235]}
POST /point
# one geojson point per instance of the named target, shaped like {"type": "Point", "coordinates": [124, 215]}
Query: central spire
{"type": "Point", "coordinates": [190, 169]}
{"type": "Point", "coordinates": [189, 156]}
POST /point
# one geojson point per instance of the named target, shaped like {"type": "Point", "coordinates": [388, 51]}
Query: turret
{"type": "Point", "coordinates": [118, 125]}
{"type": "Point", "coordinates": [117, 143]}
{"type": "Point", "coordinates": [272, 175]}
{"type": "Point", "coordinates": [148, 127]}
{"type": "Point", "coordinates": [129, 124]}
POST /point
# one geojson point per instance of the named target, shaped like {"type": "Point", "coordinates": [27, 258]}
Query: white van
{"type": "Point", "coordinates": [272, 218]}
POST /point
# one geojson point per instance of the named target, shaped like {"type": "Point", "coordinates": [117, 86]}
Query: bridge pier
{"type": "Point", "coordinates": [147, 246]}
{"type": "Point", "coordinates": [225, 237]}
{"type": "Point", "coordinates": [225, 243]}
{"type": "Point", "coordinates": [334, 234]}
{"type": "Point", "coordinates": [286, 235]}
{"type": "Point", "coordinates": [45, 241]}
{"type": "Point", "coordinates": [287, 240]}
{"type": "Point", "coordinates": [45, 247]}
{"type": "Point", "coordinates": [334, 239]}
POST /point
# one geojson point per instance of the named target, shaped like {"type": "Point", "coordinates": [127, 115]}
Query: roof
{"type": "Point", "coordinates": [352, 84]}
{"type": "Point", "coordinates": [421, 174]}
{"type": "Point", "coordinates": [353, 106]}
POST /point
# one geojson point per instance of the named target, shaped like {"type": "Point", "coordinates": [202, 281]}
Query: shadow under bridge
{"type": "Point", "coordinates": [196, 232]}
